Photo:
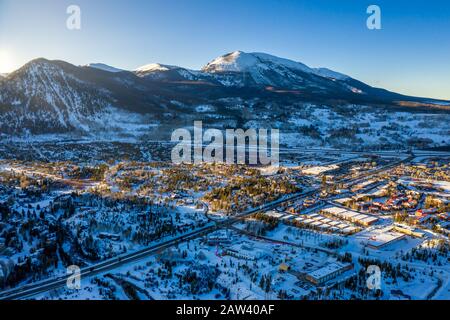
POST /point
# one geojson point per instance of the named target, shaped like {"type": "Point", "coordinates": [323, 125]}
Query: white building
{"type": "Point", "coordinates": [328, 272]}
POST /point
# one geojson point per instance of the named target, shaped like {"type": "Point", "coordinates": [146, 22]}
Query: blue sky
{"type": "Point", "coordinates": [411, 54]}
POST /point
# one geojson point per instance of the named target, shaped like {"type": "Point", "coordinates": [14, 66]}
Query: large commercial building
{"type": "Point", "coordinates": [328, 272]}
{"type": "Point", "coordinates": [382, 238]}
{"type": "Point", "coordinates": [350, 215]}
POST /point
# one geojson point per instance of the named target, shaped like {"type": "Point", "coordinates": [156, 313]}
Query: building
{"type": "Point", "coordinates": [109, 236]}
{"type": "Point", "coordinates": [328, 272]}
{"type": "Point", "coordinates": [408, 230]}
{"type": "Point", "coordinates": [274, 214]}
{"type": "Point", "coordinates": [425, 212]}
{"type": "Point", "coordinates": [350, 215]}
{"type": "Point", "coordinates": [283, 267]}
{"type": "Point", "coordinates": [219, 237]}
{"type": "Point", "coordinates": [244, 252]}
{"type": "Point", "coordinates": [383, 238]}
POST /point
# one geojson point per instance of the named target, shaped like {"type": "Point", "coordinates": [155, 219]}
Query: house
{"type": "Point", "coordinates": [284, 267]}
{"type": "Point", "coordinates": [445, 216]}
{"type": "Point", "coordinates": [425, 212]}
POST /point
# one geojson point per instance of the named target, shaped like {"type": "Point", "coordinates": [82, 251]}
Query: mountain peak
{"type": "Point", "coordinates": [236, 61]}
{"type": "Point", "coordinates": [33, 66]}
{"type": "Point", "coordinates": [104, 67]}
{"type": "Point", "coordinates": [239, 61]}
{"type": "Point", "coordinates": [158, 71]}
{"type": "Point", "coordinates": [259, 62]}
{"type": "Point", "coordinates": [153, 67]}
{"type": "Point", "coordinates": [38, 61]}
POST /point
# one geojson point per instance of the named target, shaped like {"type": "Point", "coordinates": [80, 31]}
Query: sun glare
{"type": "Point", "coordinates": [6, 62]}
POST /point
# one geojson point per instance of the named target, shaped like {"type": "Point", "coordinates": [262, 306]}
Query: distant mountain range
{"type": "Point", "coordinates": [57, 97]}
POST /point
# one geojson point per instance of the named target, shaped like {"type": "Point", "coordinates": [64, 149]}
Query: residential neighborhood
{"type": "Point", "coordinates": [304, 231]}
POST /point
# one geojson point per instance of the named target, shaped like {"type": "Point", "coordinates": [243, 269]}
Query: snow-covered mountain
{"type": "Point", "coordinates": [163, 72]}
{"type": "Point", "coordinates": [56, 97]}
{"type": "Point", "coordinates": [235, 89]}
{"type": "Point", "coordinates": [255, 62]}
{"type": "Point", "coordinates": [104, 67]}
{"type": "Point", "coordinates": [240, 69]}
{"type": "Point", "coordinates": [153, 67]}
{"type": "Point", "coordinates": [257, 70]}
{"type": "Point", "coordinates": [44, 95]}
{"type": "Point", "coordinates": [262, 67]}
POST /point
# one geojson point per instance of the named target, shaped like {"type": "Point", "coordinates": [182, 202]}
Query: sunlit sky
{"type": "Point", "coordinates": [411, 54]}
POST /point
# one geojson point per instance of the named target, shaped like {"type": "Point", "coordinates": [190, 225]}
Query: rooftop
{"type": "Point", "coordinates": [327, 270]}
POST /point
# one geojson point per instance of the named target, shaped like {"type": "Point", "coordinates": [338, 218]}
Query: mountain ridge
{"type": "Point", "coordinates": [234, 90]}
{"type": "Point", "coordinates": [156, 70]}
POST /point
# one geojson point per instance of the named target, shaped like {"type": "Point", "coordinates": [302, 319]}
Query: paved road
{"type": "Point", "coordinates": [55, 283]}
{"type": "Point", "coordinates": [31, 290]}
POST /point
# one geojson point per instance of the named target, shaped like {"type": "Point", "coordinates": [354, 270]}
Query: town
{"type": "Point", "coordinates": [143, 228]}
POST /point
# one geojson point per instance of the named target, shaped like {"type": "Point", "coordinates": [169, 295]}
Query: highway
{"type": "Point", "coordinates": [36, 288]}
{"type": "Point", "coordinates": [31, 290]}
